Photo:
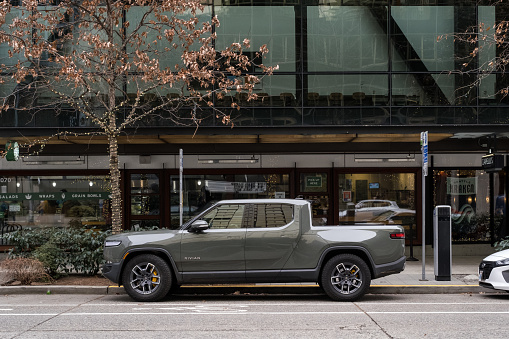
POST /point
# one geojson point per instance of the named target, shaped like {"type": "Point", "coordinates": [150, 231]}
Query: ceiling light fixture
{"type": "Point", "coordinates": [251, 160]}
{"type": "Point", "coordinates": [388, 158]}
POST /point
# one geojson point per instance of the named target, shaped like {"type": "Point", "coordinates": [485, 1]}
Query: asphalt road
{"type": "Point", "coordinates": [257, 316]}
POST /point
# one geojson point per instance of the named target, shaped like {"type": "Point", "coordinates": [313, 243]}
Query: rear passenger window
{"type": "Point", "coordinates": [225, 216]}
{"type": "Point", "coordinates": [268, 215]}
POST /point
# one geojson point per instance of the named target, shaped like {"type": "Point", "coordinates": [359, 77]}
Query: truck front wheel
{"type": "Point", "coordinates": [345, 277]}
{"type": "Point", "coordinates": [147, 277]}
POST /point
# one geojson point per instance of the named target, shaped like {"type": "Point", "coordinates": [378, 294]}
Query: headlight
{"type": "Point", "coordinates": [112, 243]}
{"type": "Point", "coordinates": [502, 262]}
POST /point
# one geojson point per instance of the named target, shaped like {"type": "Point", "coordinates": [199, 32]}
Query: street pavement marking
{"type": "Point", "coordinates": [245, 313]}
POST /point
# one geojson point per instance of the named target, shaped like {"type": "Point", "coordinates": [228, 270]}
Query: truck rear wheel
{"type": "Point", "coordinates": [345, 277]}
{"type": "Point", "coordinates": [147, 277]}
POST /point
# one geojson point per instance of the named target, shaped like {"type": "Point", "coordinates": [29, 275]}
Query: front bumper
{"type": "Point", "coordinates": [112, 271]}
{"type": "Point", "coordinates": [494, 277]}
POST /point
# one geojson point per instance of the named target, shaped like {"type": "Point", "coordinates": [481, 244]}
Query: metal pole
{"type": "Point", "coordinates": [423, 228]}
{"type": "Point", "coordinates": [424, 148]}
{"type": "Point", "coordinates": [181, 197]}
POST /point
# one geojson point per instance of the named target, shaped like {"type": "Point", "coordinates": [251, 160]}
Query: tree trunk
{"type": "Point", "coordinates": [116, 197]}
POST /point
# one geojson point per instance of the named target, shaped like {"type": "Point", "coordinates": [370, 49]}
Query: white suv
{"type": "Point", "coordinates": [494, 271]}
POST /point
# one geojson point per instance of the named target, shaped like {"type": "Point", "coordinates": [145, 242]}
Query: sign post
{"type": "Point", "coordinates": [424, 149]}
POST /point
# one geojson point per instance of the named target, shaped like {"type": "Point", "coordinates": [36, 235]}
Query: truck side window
{"type": "Point", "coordinates": [268, 215]}
{"type": "Point", "coordinates": [225, 216]}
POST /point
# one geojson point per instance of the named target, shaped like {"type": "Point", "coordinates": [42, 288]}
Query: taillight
{"type": "Point", "coordinates": [399, 235]}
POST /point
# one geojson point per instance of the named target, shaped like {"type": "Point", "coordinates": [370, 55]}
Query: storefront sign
{"type": "Point", "coordinates": [462, 186]}
{"type": "Point", "coordinates": [250, 187]}
{"type": "Point", "coordinates": [313, 181]}
{"type": "Point", "coordinates": [492, 162]}
{"type": "Point", "coordinates": [235, 187]}
{"type": "Point", "coordinates": [56, 196]}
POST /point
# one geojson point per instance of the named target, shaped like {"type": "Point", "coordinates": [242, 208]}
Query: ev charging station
{"type": "Point", "coordinates": [442, 242]}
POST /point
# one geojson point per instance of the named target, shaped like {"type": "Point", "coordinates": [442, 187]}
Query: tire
{"type": "Point", "coordinates": [147, 277]}
{"type": "Point", "coordinates": [345, 277]}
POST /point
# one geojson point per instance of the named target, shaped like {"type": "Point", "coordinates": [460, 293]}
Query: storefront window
{"type": "Point", "coordinates": [467, 192]}
{"type": "Point", "coordinates": [500, 221]}
{"type": "Point", "coordinates": [314, 187]}
{"type": "Point", "coordinates": [380, 198]}
{"type": "Point", "coordinates": [201, 191]}
{"type": "Point", "coordinates": [48, 201]}
{"type": "Point", "coordinates": [145, 201]}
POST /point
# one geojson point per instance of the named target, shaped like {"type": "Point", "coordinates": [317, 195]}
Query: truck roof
{"type": "Point", "coordinates": [265, 201]}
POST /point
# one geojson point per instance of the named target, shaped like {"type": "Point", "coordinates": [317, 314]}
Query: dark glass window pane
{"type": "Point", "coordinates": [276, 30]}
{"type": "Point", "coordinates": [467, 192]}
{"type": "Point", "coordinates": [347, 38]}
{"type": "Point", "coordinates": [137, 225]}
{"type": "Point", "coordinates": [378, 198]}
{"type": "Point", "coordinates": [414, 38]}
{"type": "Point", "coordinates": [225, 216]}
{"type": "Point", "coordinates": [348, 90]}
{"type": "Point", "coordinates": [268, 215]}
{"type": "Point", "coordinates": [145, 183]}
{"type": "Point", "coordinates": [145, 205]}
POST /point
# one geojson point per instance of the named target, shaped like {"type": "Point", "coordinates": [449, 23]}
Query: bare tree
{"type": "Point", "coordinates": [482, 54]}
{"type": "Point", "coordinates": [119, 64]}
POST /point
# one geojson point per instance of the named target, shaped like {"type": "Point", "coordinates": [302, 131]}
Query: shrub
{"type": "Point", "coordinates": [52, 257]}
{"type": "Point", "coordinates": [62, 250]}
{"type": "Point", "coordinates": [25, 270]}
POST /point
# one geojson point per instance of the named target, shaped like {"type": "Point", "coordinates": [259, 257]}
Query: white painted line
{"type": "Point", "coordinates": [245, 313]}
{"type": "Point", "coordinates": [29, 314]}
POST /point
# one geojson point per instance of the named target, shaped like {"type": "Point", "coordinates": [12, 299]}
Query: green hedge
{"type": "Point", "coordinates": [61, 250]}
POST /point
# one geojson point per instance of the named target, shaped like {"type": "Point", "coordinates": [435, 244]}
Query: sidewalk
{"type": "Point", "coordinates": [463, 280]}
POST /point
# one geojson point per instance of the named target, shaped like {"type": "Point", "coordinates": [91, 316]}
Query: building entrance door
{"type": "Point", "coordinates": [314, 185]}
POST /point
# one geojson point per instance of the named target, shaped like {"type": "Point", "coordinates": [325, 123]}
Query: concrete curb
{"type": "Point", "coordinates": [247, 290]}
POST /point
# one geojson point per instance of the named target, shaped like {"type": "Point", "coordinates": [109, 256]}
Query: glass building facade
{"type": "Point", "coordinates": [345, 62]}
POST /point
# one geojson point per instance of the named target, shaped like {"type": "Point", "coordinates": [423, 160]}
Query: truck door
{"type": "Point", "coordinates": [219, 248]}
{"type": "Point", "coordinates": [272, 234]}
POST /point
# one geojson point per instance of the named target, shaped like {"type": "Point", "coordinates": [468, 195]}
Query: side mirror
{"type": "Point", "coordinates": [199, 226]}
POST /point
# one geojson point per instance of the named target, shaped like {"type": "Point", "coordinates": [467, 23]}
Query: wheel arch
{"type": "Point", "coordinates": [162, 253]}
{"type": "Point", "coordinates": [355, 250]}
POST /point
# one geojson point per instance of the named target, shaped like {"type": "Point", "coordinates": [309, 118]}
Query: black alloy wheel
{"type": "Point", "coordinates": [147, 277]}
{"type": "Point", "coordinates": [345, 277]}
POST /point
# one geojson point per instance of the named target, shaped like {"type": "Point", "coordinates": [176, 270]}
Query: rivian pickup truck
{"type": "Point", "coordinates": [255, 241]}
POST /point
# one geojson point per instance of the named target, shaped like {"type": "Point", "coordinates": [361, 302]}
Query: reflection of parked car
{"type": "Point", "coordinates": [399, 216]}
{"type": "Point", "coordinates": [376, 205]}
{"type": "Point", "coordinates": [494, 271]}
{"type": "Point", "coordinates": [367, 210]}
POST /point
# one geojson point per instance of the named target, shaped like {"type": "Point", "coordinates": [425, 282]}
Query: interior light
{"type": "Point", "coordinates": [90, 183]}
{"type": "Point", "coordinates": [199, 182]}
{"type": "Point", "coordinates": [54, 184]}
{"type": "Point", "coordinates": [18, 184]}
{"type": "Point", "coordinates": [252, 160]}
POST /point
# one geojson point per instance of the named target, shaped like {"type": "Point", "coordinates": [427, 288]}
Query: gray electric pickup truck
{"type": "Point", "coordinates": [254, 241]}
